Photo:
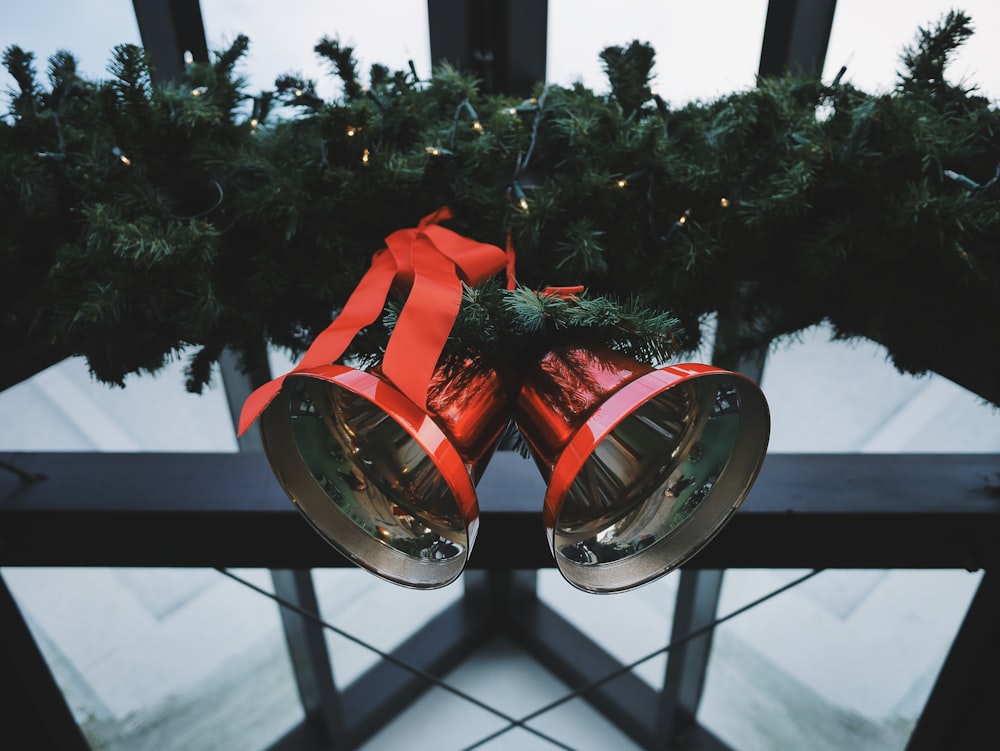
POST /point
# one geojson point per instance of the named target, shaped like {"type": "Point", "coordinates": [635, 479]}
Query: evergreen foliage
{"type": "Point", "coordinates": [140, 219]}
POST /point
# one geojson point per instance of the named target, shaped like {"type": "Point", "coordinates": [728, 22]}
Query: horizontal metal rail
{"type": "Point", "coordinates": [805, 511]}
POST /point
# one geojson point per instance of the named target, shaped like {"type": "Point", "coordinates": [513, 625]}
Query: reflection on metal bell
{"type": "Point", "coordinates": [643, 466]}
{"type": "Point", "coordinates": [390, 485]}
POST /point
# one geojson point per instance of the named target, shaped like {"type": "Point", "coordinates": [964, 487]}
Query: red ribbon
{"type": "Point", "coordinates": [433, 262]}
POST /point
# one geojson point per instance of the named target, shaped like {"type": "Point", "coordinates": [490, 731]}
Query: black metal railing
{"type": "Point", "coordinates": [225, 510]}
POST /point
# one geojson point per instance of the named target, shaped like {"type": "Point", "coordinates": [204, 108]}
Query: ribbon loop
{"type": "Point", "coordinates": [432, 262]}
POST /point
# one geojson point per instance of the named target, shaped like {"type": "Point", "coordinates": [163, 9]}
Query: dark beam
{"type": "Point", "coordinates": [959, 711]}
{"type": "Point", "coordinates": [796, 35]}
{"type": "Point", "coordinates": [805, 511]}
{"type": "Point", "coordinates": [168, 29]}
{"type": "Point", "coordinates": [33, 712]}
{"type": "Point", "coordinates": [503, 42]}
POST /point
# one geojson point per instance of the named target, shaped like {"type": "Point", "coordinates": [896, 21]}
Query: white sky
{"type": "Point", "coordinates": [703, 49]}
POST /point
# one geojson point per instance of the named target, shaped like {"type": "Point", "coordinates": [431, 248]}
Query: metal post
{"type": "Point", "coordinates": [795, 38]}
{"type": "Point", "coordinates": [687, 664]}
{"type": "Point", "coordinates": [304, 638]}
{"type": "Point", "coordinates": [310, 658]}
{"type": "Point", "coordinates": [960, 710]}
{"type": "Point", "coordinates": [796, 35]}
{"type": "Point", "coordinates": [503, 42]}
{"type": "Point", "coordinates": [169, 28]}
{"type": "Point", "coordinates": [499, 592]}
{"type": "Point", "coordinates": [33, 711]}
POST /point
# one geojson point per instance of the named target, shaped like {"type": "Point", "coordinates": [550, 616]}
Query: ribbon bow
{"type": "Point", "coordinates": [432, 261]}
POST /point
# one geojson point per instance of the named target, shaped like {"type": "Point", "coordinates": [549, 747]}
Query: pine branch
{"type": "Point", "coordinates": [343, 63]}
{"type": "Point", "coordinates": [20, 65]}
{"type": "Point", "coordinates": [629, 69]}
{"type": "Point", "coordinates": [926, 61]}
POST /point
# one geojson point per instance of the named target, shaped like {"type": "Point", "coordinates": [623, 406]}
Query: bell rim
{"type": "Point", "coordinates": [606, 418]}
{"type": "Point", "coordinates": [419, 425]}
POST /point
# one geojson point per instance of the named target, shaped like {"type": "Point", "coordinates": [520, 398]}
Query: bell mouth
{"type": "Point", "coordinates": [653, 475]}
{"type": "Point", "coordinates": [373, 474]}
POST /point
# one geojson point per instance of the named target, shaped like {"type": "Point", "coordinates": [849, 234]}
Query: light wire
{"type": "Point", "coordinates": [387, 656]}
{"type": "Point", "coordinates": [632, 665]}
{"type": "Point", "coordinates": [512, 721]}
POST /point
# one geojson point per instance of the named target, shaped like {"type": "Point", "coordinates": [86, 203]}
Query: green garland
{"type": "Point", "coordinates": [143, 219]}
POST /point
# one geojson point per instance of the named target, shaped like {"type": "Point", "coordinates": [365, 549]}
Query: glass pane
{"type": "Point", "coordinates": [868, 38]}
{"type": "Point", "coordinates": [846, 396]}
{"type": "Point", "coordinates": [703, 50]}
{"type": "Point", "coordinates": [845, 660]}
{"type": "Point", "coordinates": [88, 30]}
{"type": "Point", "coordinates": [282, 36]}
{"type": "Point", "coordinates": [163, 658]}
{"type": "Point", "coordinates": [64, 409]}
{"type": "Point", "coordinates": [369, 608]}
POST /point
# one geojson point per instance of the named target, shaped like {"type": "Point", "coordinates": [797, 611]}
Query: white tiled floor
{"type": "Point", "coordinates": [190, 660]}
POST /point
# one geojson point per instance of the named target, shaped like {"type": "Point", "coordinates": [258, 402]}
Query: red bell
{"type": "Point", "coordinates": [390, 485]}
{"type": "Point", "coordinates": [643, 466]}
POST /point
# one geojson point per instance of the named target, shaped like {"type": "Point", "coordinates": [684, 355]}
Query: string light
{"type": "Point", "coordinates": [520, 199]}
{"type": "Point", "coordinates": [724, 202]}
{"type": "Point", "coordinates": [188, 57]}
{"type": "Point", "coordinates": [199, 91]}
{"type": "Point", "coordinates": [121, 156]}
{"type": "Point", "coordinates": [297, 92]}
{"type": "Point", "coordinates": [626, 180]}
{"type": "Point", "coordinates": [478, 127]}
{"type": "Point", "coordinates": [433, 150]}
{"type": "Point", "coordinates": [254, 122]}
{"type": "Point", "coordinates": [511, 110]}
{"type": "Point", "coordinates": [962, 179]}
{"type": "Point", "coordinates": [374, 97]}
{"type": "Point", "coordinates": [679, 224]}
{"type": "Point", "coordinates": [352, 131]}
{"type": "Point", "coordinates": [365, 157]}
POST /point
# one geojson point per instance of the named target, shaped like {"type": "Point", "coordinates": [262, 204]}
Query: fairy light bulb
{"type": "Point", "coordinates": [477, 126]}
{"type": "Point", "coordinates": [684, 217]}
{"type": "Point", "coordinates": [254, 122]}
{"type": "Point", "coordinates": [199, 91]}
{"type": "Point", "coordinates": [122, 157]}
{"type": "Point", "coordinates": [520, 199]}
{"type": "Point", "coordinates": [297, 92]}
{"type": "Point", "coordinates": [511, 111]}
{"type": "Point", "coordinates": [433, 150]}
{"type": "Point", "coordinates": [724, 202]}
{"type": "Point", "coordinates": [351, 131]}
{"type": "Point", "coordinates": [621, 182]}
{"type": "Point", "coordinates": [365, 157]}
{"type": "Point", "coordinates": [188, 57]}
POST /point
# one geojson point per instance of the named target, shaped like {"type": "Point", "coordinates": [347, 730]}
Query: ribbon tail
{"type": "Point", "coordinates": [511, 258]}
{"type": "Point", "coordinates": [362, 308]}
{"type": "Point", "coordinates": [424, 324]}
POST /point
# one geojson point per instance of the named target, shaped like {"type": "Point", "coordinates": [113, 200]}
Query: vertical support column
{"type": "Point", "coordinates": [304, 638]}
{"type": "Point", "coordinates": [687, 664]}
{"type": "Point", "coordinates": [169, 28]}
{"type": "Point", "coordinates": [310, 659]}
{"type": "Point", "coordinates": [499, 592]}
{"type": "Point", "coordinates": [33, 710]}
{"type": "Point", "coordinates": [504, 42]}
{"type": "Point", "coordinates": [699, 590]}
{"type": "Point", "coordinates": [961, 710]}
{"type": "Point", "coordinates": [796, 35]}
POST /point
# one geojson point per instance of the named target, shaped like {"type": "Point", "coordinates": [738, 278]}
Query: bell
{"type": "Point", "coordinates": [390, 485]}
{"type": "Point", "coordinates": [644, 466]}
